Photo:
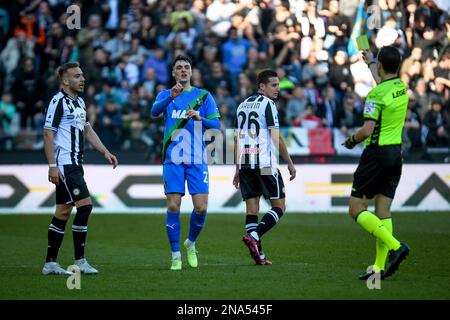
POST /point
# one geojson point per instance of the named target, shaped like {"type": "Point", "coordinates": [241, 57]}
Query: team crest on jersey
{"type": "Point", "coordinates": [76, 191]}
{"type": "Point", "coordinates": [369, 108]}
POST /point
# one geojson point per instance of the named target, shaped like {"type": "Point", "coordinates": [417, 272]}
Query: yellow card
{"type": "Point", "coordinates": [362, 43]}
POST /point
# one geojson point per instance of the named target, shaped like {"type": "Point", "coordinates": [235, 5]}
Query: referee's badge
{"type": "Point", "coordinates": [369, 108]}
{"type": "Point", "coordinates": [76, 192]}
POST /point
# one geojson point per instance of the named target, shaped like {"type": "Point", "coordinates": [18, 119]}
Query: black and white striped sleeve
{"type": "Point", "coordinates": [54, 114]}
{"type": "Point", "coordinates": [83, 105]}
{"type": "Point", "coordinates": [271, 114]}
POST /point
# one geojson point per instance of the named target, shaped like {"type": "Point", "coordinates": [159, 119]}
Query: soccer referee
{"type": "Point", "coordinates": [380, 166]}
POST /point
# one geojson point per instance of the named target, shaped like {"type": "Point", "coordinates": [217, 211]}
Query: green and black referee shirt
{"type": "Point", "coordinates": [386, 104]}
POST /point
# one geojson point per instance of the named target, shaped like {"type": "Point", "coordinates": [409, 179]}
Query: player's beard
{"type": "Point", "coordinates": [78, 89]}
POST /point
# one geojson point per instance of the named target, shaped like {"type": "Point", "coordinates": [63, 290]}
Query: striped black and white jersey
{"type": "Point", "coordinates": [254, 117]}
{"type": "Point", "coordinates": [67, 116]}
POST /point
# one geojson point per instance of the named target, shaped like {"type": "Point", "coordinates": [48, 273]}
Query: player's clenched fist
{"type": "Point", "coordinates": [176, 90]}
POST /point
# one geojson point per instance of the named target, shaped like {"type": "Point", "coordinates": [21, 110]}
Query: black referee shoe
{"type": "Point", "coordinates": [367, 275]}
{"type": "Point", "coordinates": [395, 258]}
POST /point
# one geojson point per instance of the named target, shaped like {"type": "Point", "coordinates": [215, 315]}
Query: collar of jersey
{"type": "Point", "coordinates": [66, 95]}
{"type": "Point", "coordinates": [192, 89]}
{"type": "Point", "coordinates": [397, 77]}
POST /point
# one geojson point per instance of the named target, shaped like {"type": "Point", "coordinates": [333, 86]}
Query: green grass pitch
{"type": "Point", "coordinates": [317, 256]}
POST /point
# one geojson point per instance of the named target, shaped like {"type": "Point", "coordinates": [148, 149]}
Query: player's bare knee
{"type": "Point", "coordinates": [279, 204]}
{"type": "Point", "coordinates": [173, 207]}
{"type": "Point", "coordinates": [63, 213]}
{"type": "Point", "coordinates": [201, 208]}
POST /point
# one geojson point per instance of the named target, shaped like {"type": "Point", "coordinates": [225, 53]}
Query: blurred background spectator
{"type": "Point", "coordinates": [125, 49]}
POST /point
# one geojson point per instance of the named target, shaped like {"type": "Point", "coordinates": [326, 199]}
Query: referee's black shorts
{"type": "Point", "coordinates": [378, 172]}
{"type": "Point", "coordinates": [72, 187]}
{"type": "Point", "coordinates": [254, 184]}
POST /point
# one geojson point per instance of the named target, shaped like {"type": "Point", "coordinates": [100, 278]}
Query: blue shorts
{"type": "Point", "coordinates": [175, 175]}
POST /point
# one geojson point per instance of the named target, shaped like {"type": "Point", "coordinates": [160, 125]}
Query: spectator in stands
{"type": "Point", "coordinates": [288, 35]}
{"type": "Point", "coordinates": [413, 64]}
{"type": "Point", "coordinates": [89, 38]}
{"type": "Point", "coordinates": [340, 75]}
{"type": "Point", "coordinates": [245, 87]}
{"type": "Point", "coordinates": [34, 32]}
{"type": "Point", "coordinates": [412, 133]}
{"type": "Point", "coordinates": [234, 55]}
{"type": "Point", "coordinates": [8, 122]}
{"type": "Point", "coordinates": [159, 64]}
{"type": "Point", "coordinates": [428, 42]}
{"type": "Point", "coordinates": [223, 98]}
{"type": "Point", "coordinates": [286, 84]}
{"type": "Point", "coordinates": [150, 83]}
{"type": "Point", "coordinates": [328, 108]}
{"type": "Point", "coordinates": [219, 14]}
{"type": "Point", "coordinates": [17, 48]}
{"type": "Point", "coordinates": [147, 33]}
{"type": "Point", "coordinates": [186, 33]}
{"type": "Point", "coordinates": [69, 51]}
{"type": "Point", "coordinates": [437, 122]}
{"type": "Point", "coordinates": [338, 28]}
{"type": "Point", "coordinates": [422, 98]}
{"type": "Point", "coordinates": [350, 117]}
{"type": "Point", "coordinates": [296, 106]}
{"type": "Point", "coordinates": [308, 119]}
{"type": "Point", "coordinates": [180, 16]}
{"type": "Point", "coordinates": [118, 45]}
{"type": "Point", "coordinates": [110, 125]}
{"type": "Point", "coordinates": [127, 70]}
{"type": "Point", "coordinates": [133, 124]}
{"type": "Point", "coordinates": [316, 71]}
{"type": "Point", "coordinates": [109, 92]}
{"type": "Point", "coordinates": [27, 91]}
{"type": "Point", "coordinates": [362, 78]}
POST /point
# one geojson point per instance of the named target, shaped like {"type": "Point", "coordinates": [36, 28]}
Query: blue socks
{"type": "Point", "coordinates": [196, 225]}
{"type": "Point", "coordinates": [173, 230]}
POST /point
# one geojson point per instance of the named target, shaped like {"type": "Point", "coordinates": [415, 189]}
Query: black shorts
{"type": "Point", "coordinates": [378, 172]}
{"type": "Point", "coordinates": [72, 187]}
{"type": "Point", "coordinates": [254, 184]}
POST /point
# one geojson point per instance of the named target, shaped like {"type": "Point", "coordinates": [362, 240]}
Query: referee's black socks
{"type": "Point", "coordinates": [55, 238]}
{"type": "Point", "coordinates": [269, 220]}
{"type": "Point", "coordinates": [79, 230]}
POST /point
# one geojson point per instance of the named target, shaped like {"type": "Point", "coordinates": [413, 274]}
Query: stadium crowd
{"type": "Point", "coordinates": [125, 49]}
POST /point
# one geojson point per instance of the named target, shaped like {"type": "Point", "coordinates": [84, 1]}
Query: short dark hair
{"type": "Point", "coordinates": [66, 66]}
{"type": "Point", "coordinates": [390, 59]}
{"type": "Point", "coordinates": [263, 76]}
{"type": "Point", "coordinates": [181, 57]}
